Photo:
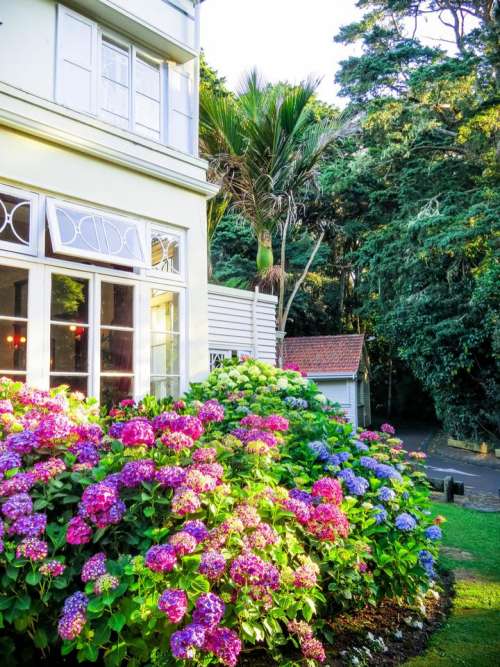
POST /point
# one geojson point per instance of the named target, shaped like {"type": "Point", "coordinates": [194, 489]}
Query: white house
{"type": "Point", "coordinates": [339, 365]}
{"type": "Point", "coordinates": [103, 276]}
{"type": "Point", "coordinates": [103, 281]}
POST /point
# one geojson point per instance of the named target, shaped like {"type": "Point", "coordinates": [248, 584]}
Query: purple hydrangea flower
{"type": "Point", "coordinates": [94, 567]}
{"type": "Point", "coordinates": [77, 602]}
{"type": "Point", "coordinates": [161, 558]}
{"type": "Point", "coordinates": [197, 529]}
{"type": "Point", "coordinates": [209, 610]}
{"type": "Point", "coordinates": [172, 476]}
{"type": "Point", "coordinates": [32, 525]}
{"type": "Point", "coordinates": [225, 644]}
{"type": "Point", "coordinates": [135, 472]}
{"type": "Point", "coordinates": [21, 443]}
{"type": "Point", "coordinates": [212, 564]}
{"type": "Point", "coordinates": [184, 643]}
{"type": "Point", "coordinates": [17, 505]}
{"type": "Point", "coordinates": [173, 602]}
{"type": "Point", "coordinates": [9, 461]}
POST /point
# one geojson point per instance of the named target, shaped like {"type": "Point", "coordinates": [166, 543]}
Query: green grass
{"type": "Point", "coordinates": [471, 635]}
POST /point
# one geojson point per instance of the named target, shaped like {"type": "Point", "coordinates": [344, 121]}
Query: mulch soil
{"type": "Point", "coordinates": [384, 621]}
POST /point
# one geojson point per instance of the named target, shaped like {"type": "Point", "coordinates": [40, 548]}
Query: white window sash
{"type": "Point", "coordinates": [61, 248]}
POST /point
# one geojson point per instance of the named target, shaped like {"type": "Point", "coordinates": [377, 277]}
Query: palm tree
{"type": "Point", "coordinates": [263, 149]}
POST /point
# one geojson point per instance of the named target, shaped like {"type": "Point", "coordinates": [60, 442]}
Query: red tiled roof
{"type": "Point", "coordinates": [325, 354]}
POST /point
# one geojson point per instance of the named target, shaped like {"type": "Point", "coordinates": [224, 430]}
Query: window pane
{"type": "Point", "coordinates": [147, 79]}
{"type": "Point", "coordinates": [14, 220]}
{"type": "Point", "coordinates": [114, 98]}
{"type": "Point", "coordinates": [164, 354]}
{"type": "Point", "coordinates": [68, 348]}
{"type": "Point", "coordinates": [117, 305]}
{"type": "Point", "coordinates": [75, 383]}
{"type": "Point", "coordinates": [69, 299]}
{"type": "Point", "coordinates": [13, 337]}
{"type": "Point", "coordinates": [14, 377]}
{"type": "Point", "coordinates": [13, 292]}
{"type": "Point", "coordinates": [165, 252]}
{"type": "Point", "coordinates": [164, 311]}
{"type": "Point", "coordinates": [114, 390]}
{"type": "Point", "coordinates": [116, 350]}
{"type": "Point", "coordinates": [162, 387]}
{"type": "Point", "coordinates": [147, 112]}
{"type": "Point", "coordinates": [115, 63]}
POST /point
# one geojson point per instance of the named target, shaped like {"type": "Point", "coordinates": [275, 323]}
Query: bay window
{"type": "Point", "coordinates": [102, 74]}
{"type": "Point", "coordinates": [102, 316]}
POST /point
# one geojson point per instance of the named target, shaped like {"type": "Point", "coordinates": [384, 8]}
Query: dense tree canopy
{"type": "Point", "coordinates": [411, 192]}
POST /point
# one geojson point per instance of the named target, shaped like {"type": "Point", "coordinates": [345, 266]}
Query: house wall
{"type": "Point", "coordinates": [42, 167]}
{"type": "Point", "coordinates": [242, 321]}
{"type": "Point", "coordinates": [342, 391]}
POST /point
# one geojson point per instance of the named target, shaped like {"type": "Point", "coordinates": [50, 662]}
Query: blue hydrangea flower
{"type": "Point", "coordinates": [346, 474]}
{"type": "Point", "coordinates": [320, 449]}
{"type": "Point", "coordinates": [427, 562]}
{"type": "Point", "coordinates": [386, 494]}
{"type": "Point", "coordinates": [433, 533]}
{"type": "Point", "coordinates": [405, 522]}
{"type": "Point", "coordinates": [332, 460]}
{"type": "Point", "coordinates": [383, 471]}
{"type": "Point", "coordinates": [344, 456]}
{"type": "Point", "coordinates": [297, 403]}
{"type": "Point", "coordinates": [361, 446]}
{"type": "Point", "coordinates": [369, 462]}
{"type": "Point", "coordinates": [381, 514]}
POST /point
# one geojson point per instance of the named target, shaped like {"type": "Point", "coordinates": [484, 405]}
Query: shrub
{"type": "Point", "coordinates": [245, 514]}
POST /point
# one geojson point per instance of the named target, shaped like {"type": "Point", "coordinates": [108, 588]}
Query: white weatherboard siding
{"type": "Point", "coordinates": [243, 322]}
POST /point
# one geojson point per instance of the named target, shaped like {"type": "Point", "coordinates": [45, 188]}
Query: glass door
{"type": "Point", "coordinates": [70, 333]}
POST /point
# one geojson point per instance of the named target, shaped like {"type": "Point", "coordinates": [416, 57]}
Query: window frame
{"type": "Point", "coordinates": [181, 236]}
{"type": "Point", "coordinates": [134, 50]}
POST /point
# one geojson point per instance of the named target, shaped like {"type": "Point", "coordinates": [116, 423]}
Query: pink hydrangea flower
{"type": "Point", "coordinates": [183, 543]}
{"type": "Point", "coordinates": [185, 501]}
{"type": "Point", "coordinates": [205, 455]}
{"type": "Point", "coordinates": [32, 549]}
{"type": "Point", "coordinates": [177, 441]}
{"type": "Point", "coordinates": [329, 489]}
{"type": "Point", "coordinates": [137, 433]}
{"type": "Point", "coordinates": [53, 568]}
{"type": "Point", "coordinates": [78, 531]}
{"type": "Point", "coordinates": [161, 558]}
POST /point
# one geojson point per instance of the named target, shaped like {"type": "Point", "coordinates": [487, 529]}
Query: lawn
{"type": "Point", "coordinates": [471, 548]}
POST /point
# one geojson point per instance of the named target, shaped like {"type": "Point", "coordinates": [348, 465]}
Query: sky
{"type": "Point", "coordinates": [285, 39]}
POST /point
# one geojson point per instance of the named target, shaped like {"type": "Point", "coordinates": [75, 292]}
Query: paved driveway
{"type": "Point", "coordinates": [477, 477]}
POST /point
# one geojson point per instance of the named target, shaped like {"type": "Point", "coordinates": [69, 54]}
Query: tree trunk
{"type": "Point", "coordinates": [265, 259]}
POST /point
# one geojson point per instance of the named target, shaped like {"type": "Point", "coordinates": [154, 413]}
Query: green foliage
{"type": "Point", "coordinates": [242, 488]}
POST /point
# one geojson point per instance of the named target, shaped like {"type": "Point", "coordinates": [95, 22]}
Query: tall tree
{"type": "Point", "coordinates": [263, 150]}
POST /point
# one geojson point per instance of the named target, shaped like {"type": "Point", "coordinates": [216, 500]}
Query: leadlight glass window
{"type": "Point", "coordinates": [165, 344]}
{"type": "Point", "coordinates": [17, 220]}
{"type": "Point", "coordinates": [13, 321]}
{"type": "Point", "coordinates": [165, 251]}
{"type": "Point", "coordinates": [88, 233]}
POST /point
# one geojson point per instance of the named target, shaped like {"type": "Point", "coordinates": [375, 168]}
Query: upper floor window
{"type": "Point", "coordinates": [104, 75]}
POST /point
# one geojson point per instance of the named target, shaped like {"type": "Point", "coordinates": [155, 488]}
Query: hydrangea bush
{"type": "Point", "coordinates": [246, 514]}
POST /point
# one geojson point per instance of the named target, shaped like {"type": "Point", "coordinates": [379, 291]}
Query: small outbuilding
{"type": "Point", "coordinates": [339, 365]}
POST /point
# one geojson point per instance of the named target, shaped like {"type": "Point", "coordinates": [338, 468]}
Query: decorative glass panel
{"type": "Point", "coordinates": [167, 386]}
{"type": "Point", "coordinates": [69, 348]}
{"type": "Point", "coordinates": [16, 215]}
{"type": "Point", "coordinates": [165, 251]}
{"type": "Point", "coordinates": [13, 292]}
{"type": "Point", "coordinates": [164, 311]}
{"type": "Point", "coordinates": [89, 233]}
{"type": "Point", "coordinates": [217, 359]}
{"type": "Point", "coordinates": [117, 305]}
{"type": "Point", "coordinates": [115, 389]}
{"type": "Point", "coordinates": [69, 299]}
{"type": "Point", "coordinates": [116, 350]}
{"type": "Point", "coordinates": [13, 340]}
{"type": "Point", "coordinates": [74, 382]}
